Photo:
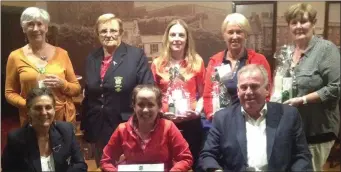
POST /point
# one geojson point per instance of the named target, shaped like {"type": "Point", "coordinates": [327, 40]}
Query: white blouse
{"type": "Point", "coordinates": [47, 163]}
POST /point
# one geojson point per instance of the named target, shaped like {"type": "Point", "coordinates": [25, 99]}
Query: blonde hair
{"type": "Point", "coordinates": [191, 56]}
{"type": "Point", "coordinates": [34, 13]}
{"type": "Point", "coordinates": [238, 19]}
{"type": "Point", "coordinates": [106, 18]}
{"type": "Point", "coordinates": [297, 11]}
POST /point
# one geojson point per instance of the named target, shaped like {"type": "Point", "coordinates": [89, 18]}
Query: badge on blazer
{"type": "Point", "coordinates": [118, 83]}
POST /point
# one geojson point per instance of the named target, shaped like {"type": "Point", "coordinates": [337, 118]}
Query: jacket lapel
{"type": "Point", "coordinates": [98, 57]}
{"type": "Point", "coordinates": [56, 141]}
{"type": "Point", "coordinates": [33, 150]}
{"type": "Point", "coordinates": [273, 118]}
{"type": "Point", "coordinates": [241, 131]}
{"type": "Point", "coordinates": [117, 60]}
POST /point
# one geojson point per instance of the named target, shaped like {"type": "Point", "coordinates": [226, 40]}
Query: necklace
{"type": "Point", "coordinates": [43, 58]}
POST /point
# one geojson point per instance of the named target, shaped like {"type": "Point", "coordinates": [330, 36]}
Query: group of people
{"type": "Point", "coordinates": [126, 113]}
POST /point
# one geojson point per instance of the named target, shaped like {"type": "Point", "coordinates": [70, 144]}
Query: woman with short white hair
{"type": "Point", "coordinates": [40, 64]}
{"type": "Point", "coordinates": [235, 29]}
{"type": "Point", "coordinates": [112, 72]}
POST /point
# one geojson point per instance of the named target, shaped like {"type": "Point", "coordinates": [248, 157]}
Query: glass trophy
{"type": "Point", "coordinates": [177, 94]}
{"type": "Point", "coordinates": [41, 77]}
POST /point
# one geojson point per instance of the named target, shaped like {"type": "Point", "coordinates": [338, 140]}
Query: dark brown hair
{"type": "Point", "coordinates": [37, 92]}
{"type": "Point", "coordinates": [149, 87]}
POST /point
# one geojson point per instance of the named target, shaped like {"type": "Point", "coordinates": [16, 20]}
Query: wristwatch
{"type": "Point", "coordinates": [304, 98]}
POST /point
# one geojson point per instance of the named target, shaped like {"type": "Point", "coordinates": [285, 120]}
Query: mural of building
{"type": "Point", "coordinates": [255, 36]}
{"type": "Point", "coordinates": [131, 34]}
{"type": "Point", "coordinates": [151, 45]}
{"type": "Point", "coordinates": [282, 36]}
{"type": "Point", "coordinates": [334, 33]}
{"type": "Point", "coordinates": [210, 18]}
{"type": "Point", "coordinates": [260, 37]}
{"type": "Point", "coordinates": [267, 19]}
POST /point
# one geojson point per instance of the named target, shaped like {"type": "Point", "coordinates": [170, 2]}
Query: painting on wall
{"type": "Point", "coordinates": [144, 23]}
{"type": "Point", "coordinates": [262, 18]}
{"type": "Point", "coordinates": [332, 22]}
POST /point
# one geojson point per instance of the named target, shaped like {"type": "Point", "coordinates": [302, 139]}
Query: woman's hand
{"type": "Point", "coordinates": [188, 115]}
{"type": "Point", "coordinates": [53, 81]}
{"type": "Point", "coordinates": [294, 101]}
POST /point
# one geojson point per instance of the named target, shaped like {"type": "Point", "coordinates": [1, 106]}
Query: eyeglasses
{"type": "Point", "coordinates": [104, 32]}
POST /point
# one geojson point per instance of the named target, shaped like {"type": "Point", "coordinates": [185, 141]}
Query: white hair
{"type": "Point", "coordinates": [238, 19]}
{"type": "Point", "coordinates": [253, 68]}
{"type": "Point", "coordinates": [34, 13]}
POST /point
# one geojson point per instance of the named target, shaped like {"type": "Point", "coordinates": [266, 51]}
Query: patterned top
{"type": "Point", "coordinates": [217, 60]}
{"type": "Point", "coordinates": [319, 71]}
{"type": "Point", "coordinates": [193, 80]}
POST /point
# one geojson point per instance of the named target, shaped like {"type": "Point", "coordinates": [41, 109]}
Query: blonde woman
{"type": "Point", "coordinates": [178, 50]}
{"type": "Point", "coordinates": [235, 29]}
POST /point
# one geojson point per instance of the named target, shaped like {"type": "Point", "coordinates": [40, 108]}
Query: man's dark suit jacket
{"type": "Point", "coordinates": [22, 151]}
{"type": "Point", "coordinates": [107, 103]}
{"type": "Point", "coordinates": [226, 143]}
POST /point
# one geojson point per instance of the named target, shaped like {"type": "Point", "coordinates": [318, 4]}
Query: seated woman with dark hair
{"type": "Point", "coordinates": [43, 144]}
{"type": "Point", "coordinates": [147, 138]}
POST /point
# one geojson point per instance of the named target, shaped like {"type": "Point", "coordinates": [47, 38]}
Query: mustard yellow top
{"type": "Point", "coordinates": [21, 76]}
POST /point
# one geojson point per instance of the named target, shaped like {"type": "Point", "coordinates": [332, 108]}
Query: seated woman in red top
{"type": "Point", "coordinates": [178, 52]}
{"type": "Point", "coordinates": [235, 29]}
{"type": "Point", "coordinates": [147, 138]}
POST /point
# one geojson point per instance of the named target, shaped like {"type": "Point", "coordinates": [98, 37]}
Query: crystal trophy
{"type": "Point", "coordinates": [283, 80]}
{"type": "Point", "coordinates": [177, 94]}
{"type": "Point", "coordinates": [41, 77]}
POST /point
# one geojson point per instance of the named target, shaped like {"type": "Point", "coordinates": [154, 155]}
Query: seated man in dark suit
{"type": "Point", "coordinates": [255, 135]}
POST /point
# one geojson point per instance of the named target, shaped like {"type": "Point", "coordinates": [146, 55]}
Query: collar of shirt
{"type": "Point", "coordinates": [256, 140]}
{"type": "Point", "coordinates": [260, 119]}
{"type": "Point", "coordinates": [136, 133]}
{"type": "Point", "coordinates": [107, 59]}
{"type": "Point", "coordinates": [242, 58]}
{"type": "Point", "coordinates": [311, 44]}
{"type": "Point", "coordinates": [133, 124]}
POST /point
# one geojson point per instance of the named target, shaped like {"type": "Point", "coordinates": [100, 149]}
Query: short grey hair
{"type": "Point", "coordinates": [253, 68]}
{"type": "Point", "coordinates": [34, 13]}
{"type": "Point", "coordinates": [238, 19]}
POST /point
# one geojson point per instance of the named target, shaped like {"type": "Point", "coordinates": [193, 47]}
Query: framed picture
{"type": "Point", "coordinates": [332, 22]}
{"type": "Point", "coordinates": [262, 18]}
